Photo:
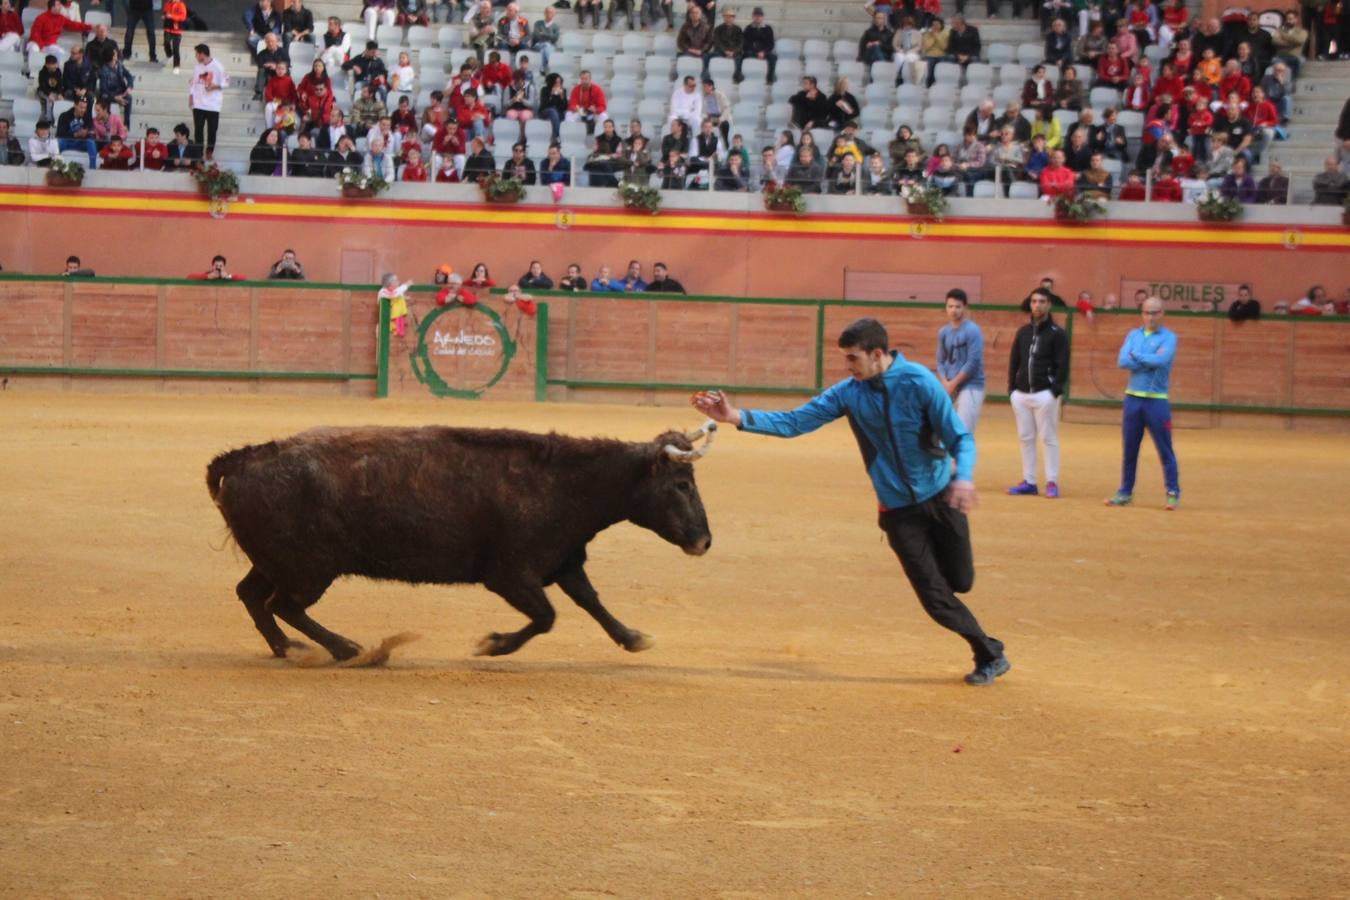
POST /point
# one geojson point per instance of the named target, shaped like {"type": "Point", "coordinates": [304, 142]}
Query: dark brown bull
{"type": "Point", "coordinates": [510, 510]}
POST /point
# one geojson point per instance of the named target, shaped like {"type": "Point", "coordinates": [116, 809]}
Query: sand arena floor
{"type": "Point", "coordinates": [1175, 723]}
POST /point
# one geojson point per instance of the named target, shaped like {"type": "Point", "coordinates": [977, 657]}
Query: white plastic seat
{"type": "Point", "coordinates": [1023, 190]}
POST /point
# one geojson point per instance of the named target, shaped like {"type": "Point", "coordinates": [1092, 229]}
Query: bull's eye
{"type": "Point", "coordinates": [684, 487]}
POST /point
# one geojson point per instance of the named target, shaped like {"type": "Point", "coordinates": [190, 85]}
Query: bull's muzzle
{"type": "Point", "coordinates": [708, 429]}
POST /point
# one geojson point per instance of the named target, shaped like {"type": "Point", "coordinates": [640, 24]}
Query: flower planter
{"type": "Point", "coordinates": [1212, 219]}
{"type": "Point", "coordinates": [771, 206]}
{"type": "Point", "coordinates": [352, 192]}
{"type": "Point", "coordinates": [636, 207]}
{"type": "Point", "coordinates": [57, 180]}
{"type": "Point", "coordinates": [502, 198]}
{"type": "Point", "coordinates": [917, 209]}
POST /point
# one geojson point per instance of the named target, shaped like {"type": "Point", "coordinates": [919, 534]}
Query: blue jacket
{"type": "Point", "coordinates": [1149, 358]}
{"type": "Point", "coordinates": [895, 418]}
{"type": "Point", "coordinates": [961, 350]}
{"type": "Point", "coordinates": [611, 285]}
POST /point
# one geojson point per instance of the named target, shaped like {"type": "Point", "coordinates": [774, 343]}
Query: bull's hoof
{"type": "Point", "coordinates": [639, 642]}
{"type": "Point", "coordinates": [279, 650]}
{"type": "Point", "coordinates": [495, 644]}
{"type": "Point", "coordinates": [345, 650]}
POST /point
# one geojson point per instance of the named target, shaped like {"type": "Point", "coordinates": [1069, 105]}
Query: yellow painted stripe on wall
{"type": "Point", "coordinates": [687, 221]}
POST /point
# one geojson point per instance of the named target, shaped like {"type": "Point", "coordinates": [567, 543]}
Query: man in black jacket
{"type": "Point", "coordinates": [875, 43]}
{"type": "Point", "coordinates": [758, 43]}
{"type": "Point", "coordinates": [963, 43]}
{"type": "Point", "coordinates": [662, 283]}
{"type": "Point", "coordinates": [1048, 289]}
{"type": "Point", "coordinates": [1038, 370]}
{"type": "Point", "coordinates": [305, 161]}
{"type": "Point", "coordinates": [810, 107]}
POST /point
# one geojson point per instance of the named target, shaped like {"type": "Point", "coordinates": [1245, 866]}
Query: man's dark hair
{"type": "Point", "coordinates": [659, 265]}
{"type": "Point", "coordinates": [72, 259]}
{"type": "Point", "coordinates": [372, 45]}
{"type": "Point", "coordinates": [217, 258]}
{"type": "Point", "coordinates": [958, 294]}
{"type": "Point", "coordinates": [182, 129]}
{"type": "Point", "coordinates": [287, 250]}
{"type": "Point", "coordinates": [203, 49]}
{"type": "Point", "coordinates": [1043, 295]}
{"type": "Point", "coordinates": [152, 130]}
{"type": "Point", "coordinates": [868, 334]}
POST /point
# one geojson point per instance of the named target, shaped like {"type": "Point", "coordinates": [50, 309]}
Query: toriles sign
{"type": "Point", "coordinates": [462, 350]}
{"type": "Point", "coordinates": [1199, 296]}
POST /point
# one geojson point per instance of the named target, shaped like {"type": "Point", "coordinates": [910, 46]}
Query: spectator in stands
{"type": "Point", "coordinates": [11, 151]}
{"type": "Point", "coordinates": [1113, 135]}
{"type": "Point", "coordinates": [448, 173]}
{"type": "Point", "coordinates": [1278, 86]}
{"type": "Point", "coordinates": [1038, 369]}
{"type": "Point", "coordinates": [410, 12]}
{"type": "Point", "coordinates": [115, 83]}
{"type": "Point", "coordinates": [909, 172]}
{"type": "Point", "coordinates": [1012, 116]}
{"type": "Point", "coordinates": [207, 91]}
{"type": "Point", "coordinates": [263, 20]}
{"type": "Point", "coordinates": [305, 161]}
{"type": "Point", "coordinates": [553, 102]}
{"type": "Point", "coordinates": [810, 107]}
{"type": "Point", "coordinates": [963, 41]}
{"type": "Point", "coordinates": [1091, 47]}
{"type": "Point", "coordinates": [1233, 82]}
{"type": "Point", "coordinates": [345, 156]}
{"type": "Point", "coordinates": [265, 157]}
{"type": "Point", "coordinates": [217, 272]}
{"type": "Point", "coordinates": [728, 40]}
{"type": "Point", "coordinates": [479, 163]}
{"type": "Point", "coordinates": [695, 37]}
{"type": "Point", "coordinates": [46, 30]}
{"type": "Point", "coordinates": [662, 282]}
{"type": "Point", "coordinates": [1128, 46]}
{"type": "Point", "coordinates": [686, 104]}
{"type": "Point", "coordinates": [1138, 93]}
{"type": "Point", "coordinates": [1288, 42]}
{"type": "Point", "coordinates": [1058, 44]}
{"type": "Point", "coordinates": [877, 42]}
{"type": "Point", "coordinates": [1238, 128]}
{"type": "Point", "coordinates": [335, 129]}
{"type": "Point", "coordinates": [758, 43]}
{"type": "Point", "coordinates": [715, 105]}
{"type": "Point", "coordinates": [1010, 155]}
{"type": "Point", "coordinates": [732, 175]}
{"type": "Point", "coordinates": [590, 8]}
{"type": "Point", "coordinates": [379, 161]}
{"type": "Point", "coordinates": [107, 123]}
{"type": "Point", "coordinates": [297, 23]}
{"type": "Point", "coordinates": [556, 168]}
{"type": "Point", "coordinates": [573, 280]}
{"type": "Point", "coordinates": [73, 267]}
{"type": "Point", "coordinates": [519, 166]}
{"type": "Point", "coordinates": [1096, 180]}
{"type": "Point", "coordinates": [378, 15]}
{"type": "Point", "coordinates": [587, 103]}
{"type": "Point", "coordinates": [1057, 178]}
{"type": "Point", "coordinates": [602, 282]}
{"type": "Point", "coordinates": [534, 279]}
{"type": "Point", "coordinates": [1274, 188]}
{"type": "Point", "coordinates": [42, 146]}
{"type": "Point", "coordinates": [11, 27]}
{"type": "Point", "coordinates": [180, 155]}
{"type": "Point", "coordinates": [875, 179]}
{"type": "Point", "coordinates": [843, 177]}
{"type": "Point", "coordinates": [151, 153]}
{"type": "Point", "coordinates": [1078, 152]}
{"type": "Point", "coordinates": [933, 47]}
{"type": "Point", "coordinates": [288, 268]}
{"type": "Point", "coordinates": [1245, 307]}
{"type": "Point", "coordinates": [707, 149]}
{"type": "Point", "coordinates": [1167, 189]}
{"type": "Point", "coordinates": [1113, 70]}
{"type": "Point", "coordinates": [633, 281]}
{"type": "Point", "coordinates": [1133, 189]}
{"type": "Point", "coordinates": [367, 108]}
{"type": "Point", "coordinates": [606, 159]}
{"type": "Point", "coordinates": [333, 46]}
{"type": "Point", "coordinates": [806, 172]}
{"type": "Point", "coordinates": [637, 159]}
{"type": "Point", "coordinates": [982, 121]}
{"type": "Point", "coordinates": [75, 130]}
{"type": "Point", "coordinates": [1221, 157]}
{"type": "Point", "coordinates": [369, 69]}
{"type": "Point", "coordinates": [653, 10]}
{"type": "Point", "coordinates": [78, 75]}
{"type": "Point", "coordinates": [100, 47]}
{"type": "Point", "coordinates": [1198, 126]}
{"type": "Point", "coordinates": [674, 171]}
{"type": "Point", "coordinates": [844, 107]}
{"type": "Point", "coordinates": [1048, 127]}
{"type": "Point", "coordinates": [903, 143]}
{"type": "Point", "coordinates": [1070, 92]}
{"type": "Point", "coordinates": [1329, 186]}
{"type": "Point", "coordinates": [50, 86]}
{"type": "Point", "coordinates": [972, 158]}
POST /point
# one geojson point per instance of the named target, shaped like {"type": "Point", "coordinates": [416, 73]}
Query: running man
{"type": "Point", "coordinates": [1148, 353]}
{"type": "Point", "coordinates": [898, 412]}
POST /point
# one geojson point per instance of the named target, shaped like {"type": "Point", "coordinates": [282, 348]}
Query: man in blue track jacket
{"type": "Point", "coordinates": [908, 432]}
{"type": "Point", "coordinates": [1148, 353]}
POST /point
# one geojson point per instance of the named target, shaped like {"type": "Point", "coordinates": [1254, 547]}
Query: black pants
{"type": "Point", "coordinates": [147, 18]}
{"type": "Point", "coordinates": [933, 543]}
{"type": "Point", "coordinates": [204, 125]}
{"type": "Point", "coordinates": [172, 43]}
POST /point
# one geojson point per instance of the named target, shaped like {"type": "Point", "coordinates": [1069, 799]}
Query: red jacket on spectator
{"type": "Point", "coordinates": [1235, 82]}
{"type": "Point", "coordinates": [306, 88]}
{"type": "Point", "coordinates": [47, 28]}
{"type": "Point", "coordinates": [1138, 97]}
{"type": "Point", "coordinates": [118, 160]}
{"type": "Point", "coordinates": [1114, 72]}
{"type": "Point", "coordinates": [151, 156]}
{"type": "Point", "coordinates": [1264, 115]}
{"type": "Point", "coordinates": [1184, 64]}
{"type": "Point", "coordinates": [403, 120]}
{"type": "Point", "coordinates": [1167, 190]}
{"type": "Point", "coordinates": [11, 23]}
{"type": "Point", "coordinates": [449, 144]}
{"type": "Point", "coordinates": [1183, 163]}
{"type": "Point", "coordinates": [1172, 86]}
{"type": "Point", "coordinates": [1056, 180]}
{"type": "Point", "coordinates": [1132, 191]}
{"type": "Point", "coordinates": [412, 172]}
{"type": "Point", "coordinates": [591, 95]}
{"type": "Point", "coordinates": [447, 176]}
{"type": "Point", "coordinates": [496, 75]}
{"type": "Point", "coordinates": [316, 108]}
{"type": "Point", "coordinates": [281, 88]}
{"type": "Point", "coordinates": [1200, 122]}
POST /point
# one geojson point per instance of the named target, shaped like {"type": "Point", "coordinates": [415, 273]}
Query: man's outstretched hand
{"type": "Point", "coordinates": [716, 406]}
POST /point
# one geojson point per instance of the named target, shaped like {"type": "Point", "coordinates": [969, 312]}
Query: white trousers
{"type": "Point", "coordinates": [969, 402]}
{"type": "Point", "coordinates": [1037, 415]}
{"type": "Point", "coordinates": [374, 16]}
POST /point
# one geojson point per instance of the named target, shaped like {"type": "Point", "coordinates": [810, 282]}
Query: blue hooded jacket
{"type": "Point", "coordinates": [1148, 356]}
{"type": "Point", "coordinates": [897, 419]}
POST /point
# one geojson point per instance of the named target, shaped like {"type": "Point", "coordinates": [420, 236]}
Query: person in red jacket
{"type": "Point", "coordinates": [281, 87]}
{"type": "Point", "coordinates": [151, 153]}
{"type": "Point", "coordinates": [587, 103]}
{"type": "Point", "coordinates": [47, 29]}
{"type": "Point", "coordinates": [1234, 81]}
{"type": "Point", "coordinates": [1166, 189]}
{"type": "Point", "coordinates": [316, 107]}
{"type": "Point", "coordinates": [1168, 81]}
{"type": "Point", "coordinates": [1133, 188]}
{"type": "Point", "coordinates": [1113, 70]}
{"type": "Point", "coordinates": [450, 142]}
{"type": "Point", "coordinates": [11, 27]}
{"type": "Point", "coordinates": [1057, 178]}
{"type": "Point", "coordinates": [217, 272]}
{"type": "Point", "coordinates": [116, 156]}
{"type": "Point", "coordinates": [413, 170]}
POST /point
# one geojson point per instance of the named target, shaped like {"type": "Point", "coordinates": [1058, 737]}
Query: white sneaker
{"type": "Point", "coordinates": [176, 70]}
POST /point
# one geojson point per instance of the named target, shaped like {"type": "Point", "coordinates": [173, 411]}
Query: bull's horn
{"type": "Point", "coordinates": [708, 428]}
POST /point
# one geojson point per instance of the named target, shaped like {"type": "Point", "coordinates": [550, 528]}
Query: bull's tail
{"type": "Point", "coordinates": [228, 464]}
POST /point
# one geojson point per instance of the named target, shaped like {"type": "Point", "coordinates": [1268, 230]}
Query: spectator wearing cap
{"type": "Point", "coordinates": [757, 43]}
{"type": "Point", "coordinates": [695, 37]}
{"type": "Point", "coordinates": [729, 38]}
